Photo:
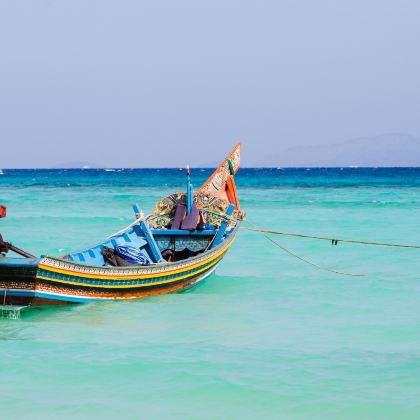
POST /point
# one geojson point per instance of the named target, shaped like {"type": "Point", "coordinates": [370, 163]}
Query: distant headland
{"type": "Point", "coordinates": [387, 150]}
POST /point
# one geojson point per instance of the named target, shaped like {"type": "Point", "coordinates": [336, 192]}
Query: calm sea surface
{"type": "Point", "coordinates": [266, 336]}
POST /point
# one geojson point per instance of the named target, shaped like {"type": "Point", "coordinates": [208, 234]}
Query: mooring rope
{"type": "Point", "coordinates": [319, 267]}
{"type": "Point", "coordinates": [334, 241]}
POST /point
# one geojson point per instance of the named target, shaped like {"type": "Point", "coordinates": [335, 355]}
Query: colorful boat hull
{"type": "Point", "coordinates": [52, 281]}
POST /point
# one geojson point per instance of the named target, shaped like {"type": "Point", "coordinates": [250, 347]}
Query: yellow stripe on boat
{"type": "Point", "coordinates": [127, 286]}
{"type": "Point", "coordinates": [132, 276]}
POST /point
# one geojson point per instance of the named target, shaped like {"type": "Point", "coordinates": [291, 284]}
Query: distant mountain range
{"type": "Point", "coordinates": [386, 150]}
{"type": "Point", "coordinates": [389, 150]}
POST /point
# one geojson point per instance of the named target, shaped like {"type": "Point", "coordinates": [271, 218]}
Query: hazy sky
{"type": "Point", "coordinates": [165, 83]}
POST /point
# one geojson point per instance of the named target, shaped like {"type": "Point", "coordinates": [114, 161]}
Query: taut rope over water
{"type": "Point", "coordinates": [334, 241]}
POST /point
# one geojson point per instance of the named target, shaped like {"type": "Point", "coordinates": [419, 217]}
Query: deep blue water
{"type": "Point", "coordinates": [249, 177]}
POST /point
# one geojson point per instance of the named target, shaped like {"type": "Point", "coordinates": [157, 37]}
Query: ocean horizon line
{"type": "Point", "coordinates": [105, 168]}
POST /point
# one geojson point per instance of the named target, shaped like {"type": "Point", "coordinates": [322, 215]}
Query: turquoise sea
{"type": "Point", "coordinates": [267, 336]}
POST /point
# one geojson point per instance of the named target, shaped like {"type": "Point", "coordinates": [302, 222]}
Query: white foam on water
{"type": "Point", "coordinates": [10, 311]}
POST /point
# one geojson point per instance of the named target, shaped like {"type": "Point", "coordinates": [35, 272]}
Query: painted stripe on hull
{"type": "Point", "coordinates": [16, 292]}
{"type": "Point", "coordinates": [155, 271]}
{"type": "Point", "coordinates": [66, 297]}
{"type": "Point", "coordinates": [117, 286]}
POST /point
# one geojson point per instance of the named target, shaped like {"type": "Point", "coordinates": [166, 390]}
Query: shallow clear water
{"type": "Point", "coordinates": [265, 336]}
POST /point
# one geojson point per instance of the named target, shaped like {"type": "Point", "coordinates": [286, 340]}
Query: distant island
{"type": "Point", "coordinates": [387, 150]}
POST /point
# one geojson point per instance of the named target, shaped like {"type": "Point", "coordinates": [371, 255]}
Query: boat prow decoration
{"type": "Point", "coordinates": [221, 183]}
{"type": "Point", "coordinates": [178, 245]}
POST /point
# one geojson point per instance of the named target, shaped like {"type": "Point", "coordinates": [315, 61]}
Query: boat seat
{"type": "Point", "coordinates": [191, 221]}
{"type": "Point", "coordinates": [179, 216]}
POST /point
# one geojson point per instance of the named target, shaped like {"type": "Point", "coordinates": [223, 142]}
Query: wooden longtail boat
{"type": "Point", "coordinates": [183, 240]}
